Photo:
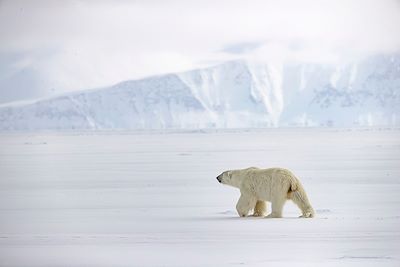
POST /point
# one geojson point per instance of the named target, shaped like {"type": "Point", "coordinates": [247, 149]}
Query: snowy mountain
{"type": "Point", "coordinates": [231, 95]}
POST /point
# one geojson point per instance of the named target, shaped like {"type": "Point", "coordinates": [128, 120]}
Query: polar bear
{"type": "Point", "coordinates": [259, 185]}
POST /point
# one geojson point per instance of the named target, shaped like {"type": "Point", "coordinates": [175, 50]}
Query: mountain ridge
{"type": "Point", "coordinates": [234, 94]}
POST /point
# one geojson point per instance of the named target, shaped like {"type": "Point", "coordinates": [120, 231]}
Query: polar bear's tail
{"type": "Point", "coordinates": [299, 196]}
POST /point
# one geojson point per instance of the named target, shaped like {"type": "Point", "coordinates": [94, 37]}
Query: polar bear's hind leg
{"type": "Point", "coordinates": [260, 210]}
{"type": "Point", "coordinates": [277, 207]}
{"type": "Point", "coordinates": [299, 197]}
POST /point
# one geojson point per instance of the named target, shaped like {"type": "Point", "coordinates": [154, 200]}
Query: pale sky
{"type": "Point", "coordinates": [48, 47]}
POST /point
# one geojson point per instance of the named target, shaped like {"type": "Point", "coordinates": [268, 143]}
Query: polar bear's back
{"type": "Point", "coordinates": [267, 183]}
{"type": "Point", "coordinates": [271, 173]}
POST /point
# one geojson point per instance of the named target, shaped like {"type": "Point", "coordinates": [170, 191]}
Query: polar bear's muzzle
{"type": "Point", "coordinates": [219, 178]}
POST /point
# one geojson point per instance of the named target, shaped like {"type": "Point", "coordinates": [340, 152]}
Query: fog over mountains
{"type": "Point", "coordinates": [235, 94]}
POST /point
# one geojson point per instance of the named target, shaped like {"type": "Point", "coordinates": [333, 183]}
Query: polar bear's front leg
{"type": "Point", "coordinates": [245, 204]}
{"type": "Point", "coordinates": [260, 210]}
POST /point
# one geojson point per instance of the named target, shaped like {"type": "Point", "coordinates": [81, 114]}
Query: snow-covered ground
{"type": "Point", "coordinates": [151, 199]}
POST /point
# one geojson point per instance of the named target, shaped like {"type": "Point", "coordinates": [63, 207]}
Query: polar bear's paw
{"type": "Point", "coordinates": [307, 214]}
{"type": "Point", "coordinates": [274, 215]}
{"type": "Point", "coordinates": [258, 214]}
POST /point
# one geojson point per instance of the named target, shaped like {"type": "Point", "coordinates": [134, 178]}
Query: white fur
{"type": "Point", "coordinates": [259, 185]}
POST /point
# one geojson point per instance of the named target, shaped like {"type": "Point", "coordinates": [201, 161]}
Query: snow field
{"type": "Point", "coordinates": [151, 199]}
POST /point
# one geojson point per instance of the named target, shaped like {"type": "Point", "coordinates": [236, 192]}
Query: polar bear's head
{"type": "Point", "coordinates": [228, 178]}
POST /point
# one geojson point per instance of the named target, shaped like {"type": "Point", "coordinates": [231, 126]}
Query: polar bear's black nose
{"type": "Point", "coordinates": [219, 178]}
